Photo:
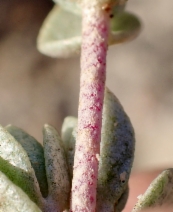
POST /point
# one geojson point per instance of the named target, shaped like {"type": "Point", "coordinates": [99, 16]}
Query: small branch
{"type": "Point", "coordinates": [92, 85]}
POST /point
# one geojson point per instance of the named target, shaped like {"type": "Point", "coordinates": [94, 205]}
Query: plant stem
{"type": "Point", "coordinates": [92, 84]}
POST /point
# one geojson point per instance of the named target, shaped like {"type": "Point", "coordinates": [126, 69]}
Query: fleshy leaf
{"type": "Point", "coordinates": [76, 3]}
{"type": "Point", "coordinates": [68, 126]}
{"type": "Point", "coordinates": [71, 151]}
{"type": "Point", "coordinates": [122, 200]}
{"type": "Point", "coordinates": [160, 192]}
{"type": "Point", "coordinates": [56, 169]}
{"type": "Point", "coordinates": [69, 5]}
{"type": "Point", "coordinates": [68, 134]}
{"type": "Point", "coordinates": [13, 199]}
{"type": "Point", "coordinates": [116, 154]}
{"type": "Point", "coordinates": [14, 162]}
{"type": "Point", "coordinates": [124, 27]}
{"type": "Point", "coordinates": [60, 35]}
{"type": "Point", "coordinates": [35, 153]}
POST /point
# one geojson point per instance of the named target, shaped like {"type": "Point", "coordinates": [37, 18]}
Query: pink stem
{"type": "Point", "coordinates": [92, 85]}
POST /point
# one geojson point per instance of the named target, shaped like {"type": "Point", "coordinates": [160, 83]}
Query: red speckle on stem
{"type": "Point", "coordinates": [92, 84]}
{"type": "Point", "coordinates": [91, 199]}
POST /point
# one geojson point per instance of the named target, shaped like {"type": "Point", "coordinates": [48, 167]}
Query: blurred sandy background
{"type": "Point", "coordinates": [35, 89]}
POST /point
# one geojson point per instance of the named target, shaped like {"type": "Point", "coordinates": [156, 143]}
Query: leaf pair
{"type": "Point", "coordinates": [32, 175]}
{"type": "Point", "coordinates": [116, 154]}
{"type": "Point", "coordinates": [60, 35]}
{"type": "Point", "coordinates": [35, 178]}
{"type": "Point", "coordinates": [115, 161]}
{"type": "Point", "coordinates": [15, 164]}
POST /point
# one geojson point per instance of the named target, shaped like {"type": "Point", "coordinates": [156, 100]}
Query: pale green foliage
{"type": "Point", "coordinates": [160, 192]}
{"type": "Point", "coordinates": [21, 156]}
{"type": "Point", "coordinates": [124, 27]}
{"type": "Point", "coordinates": [76, 4]}
{"type": "Point", "coordinates": [35, 178]}
{"type": "Point", "coordinates": [56, 170]}
{"type": "Point", "coordinates": [25, 162]}
{"type": "Point", "coordinates": [68, 134]}
{"type": "Point", "coordinates": [35, 153]}
{"type": "Point", "coordinates": [60, 37]}
{"type": "Point", "coordinates": [70, 5]}
{"type": "Point", "coordinates": [15, 163]}
{"type": "Point", "coordinates": [13, 198]}
{"type": "Point", "coordinates": [116, 155]}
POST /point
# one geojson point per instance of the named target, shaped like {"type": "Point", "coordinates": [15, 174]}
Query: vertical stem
{"type": "Point", "coordinates": [92, 84]}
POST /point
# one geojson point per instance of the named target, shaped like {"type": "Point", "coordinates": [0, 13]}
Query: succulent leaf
{"type": "Point", "coordinates": [56, 169]}
{"type": "Point", "coordinates": [60, 37]}
{"type": "Point", "coordinates": [119, 206]}
{"type": "Point", "coordinates": [69, 123]}
{"type": "Point", "coordinates": [35, 153]}
{"type": "Point", "coordinates": [13, 199]}
{"type": "Point", "coordinates": [68, 134]}
{"type": "Point", "coordinates": [160, 192]}
{"type": "Point", "coordinates": [71, 151]}
{"type": "Point", "coordinates": [75, 5]}
{"type": "Point", "coordinates": [71, 6]}
{"type": "Point", "coordinates": [124, 27]}
{"type": "Point", "coordinates": [14, 162]}
{"type": "Point", "coordinates": [116, 154]}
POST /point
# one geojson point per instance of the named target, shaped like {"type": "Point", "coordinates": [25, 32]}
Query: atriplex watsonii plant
{"type": "Point", "coordinates": [49, 178]}
{"type": "Point", "coordinates": [96, 16]}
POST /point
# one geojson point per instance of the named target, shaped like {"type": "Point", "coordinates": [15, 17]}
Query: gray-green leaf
{"type": "Point", "coordinates": [71, 6]}
{"type": "Point", "coordinates": [116, 154]}
{"type": "Point", "coordinates": [68, 126]}
{"type": "Point", "coordinates": [160, 192]}
{"type": "Point", "coordinates": [13, 199]}
{"type": "Point", "coordinates": [60, 35]}
{"type": "Point", "coordinates": [124, 27]}
{"type": "Point", "coordinates": [14, 162]}
{"type": "Point", "coordinates": [56, 169]}
{"type": "Point", "coordinates": [69, 132]}
{"type": "Point", "coordinates": [35, 153]}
